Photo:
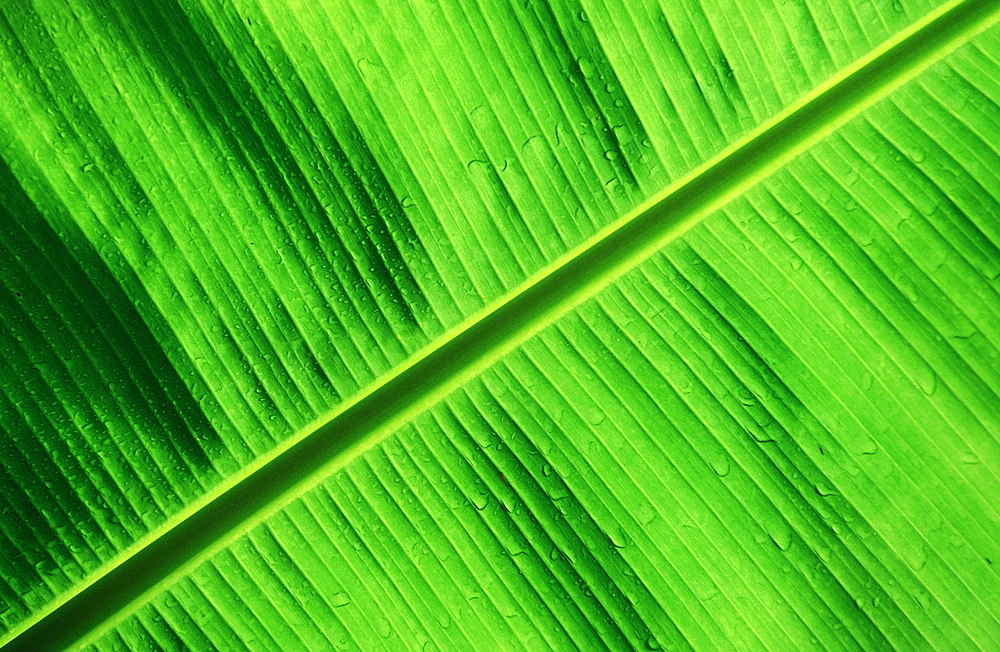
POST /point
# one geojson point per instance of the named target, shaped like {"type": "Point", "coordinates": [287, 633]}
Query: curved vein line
{"type": "Point", "coordinates": [294, 467]}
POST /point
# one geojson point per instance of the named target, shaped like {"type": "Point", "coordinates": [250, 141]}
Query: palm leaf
{"type": "Point", "coordinates": [491, 326]}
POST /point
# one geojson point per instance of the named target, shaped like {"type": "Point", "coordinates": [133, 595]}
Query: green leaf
{"type": "Point", "coordinates": [499, 326]}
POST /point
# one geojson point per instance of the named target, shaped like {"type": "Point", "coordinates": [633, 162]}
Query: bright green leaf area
{"type": "Point", "coordinates": [222, 219]}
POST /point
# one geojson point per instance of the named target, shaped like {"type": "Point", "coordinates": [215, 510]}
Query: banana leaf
{"type": "Point", "coordinates": [490, 325]}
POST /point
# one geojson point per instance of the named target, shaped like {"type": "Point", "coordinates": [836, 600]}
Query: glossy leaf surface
{"type": "Point", "coordinates": [224, 219]}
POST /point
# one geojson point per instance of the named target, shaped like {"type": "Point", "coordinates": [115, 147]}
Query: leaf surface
{"type": "Point", "coordinates": [225, 220]}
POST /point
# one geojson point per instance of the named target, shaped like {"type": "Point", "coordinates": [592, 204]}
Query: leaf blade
{"type": "Point", "coordinates": [520, 317]}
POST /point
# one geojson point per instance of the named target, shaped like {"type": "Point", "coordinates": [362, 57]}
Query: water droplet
{"type": "Point", "coordinates": [596, 417]}
{"type": "Point", "coordinates": [915, 555]}
{"type": "Point", "coordinates": [480, 501]}
{"type": "Point", "coordinates": [546, 470]}
{"type": "Point", "coordinates": [868, 446]}
{"type": "Point", "coordinates": [824, 490]}
{"type": "Point", "coordinates": [620, 538]}
{"type": "Point", "coordinates": [706, 592]}
{"type": "Point", "coordinates": [652, 643]}
{"type": "Point", "coordinates": [586, 67]}
{"type": "Point", "coordinates": [781, 534]}
{"type": "Point", "coordinates": [926, 378]}
{"type": "Point", "coordinates": [87, 167]}
{"type": "Point", "coordinates": [340, 599]}
{"type": "Point", "coordinates": [969, 457]}
{"type": "Point", "coordinates": [721, 466]}
{"type": "Point", "coordinates": [646, 513]}
{"type": "Point", "coordinates": [760, 435]}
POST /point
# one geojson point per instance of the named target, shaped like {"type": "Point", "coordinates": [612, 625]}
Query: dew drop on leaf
{"type": "Point", "coordinates": [721, 466]}
{"type": "Point", "coordinates": [780, 533]}
{"type": "Point", "coordinates": [620, 538]}
{"type": "Point", "coordinates": [970, 458]}
{"type": "Point", "coordinates": [926, 379]}
{"type": "Point", "coordinates": [915, 555]}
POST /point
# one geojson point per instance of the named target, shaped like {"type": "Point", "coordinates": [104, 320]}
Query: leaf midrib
{"type": "Point", "coordinates": [294, 467]}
